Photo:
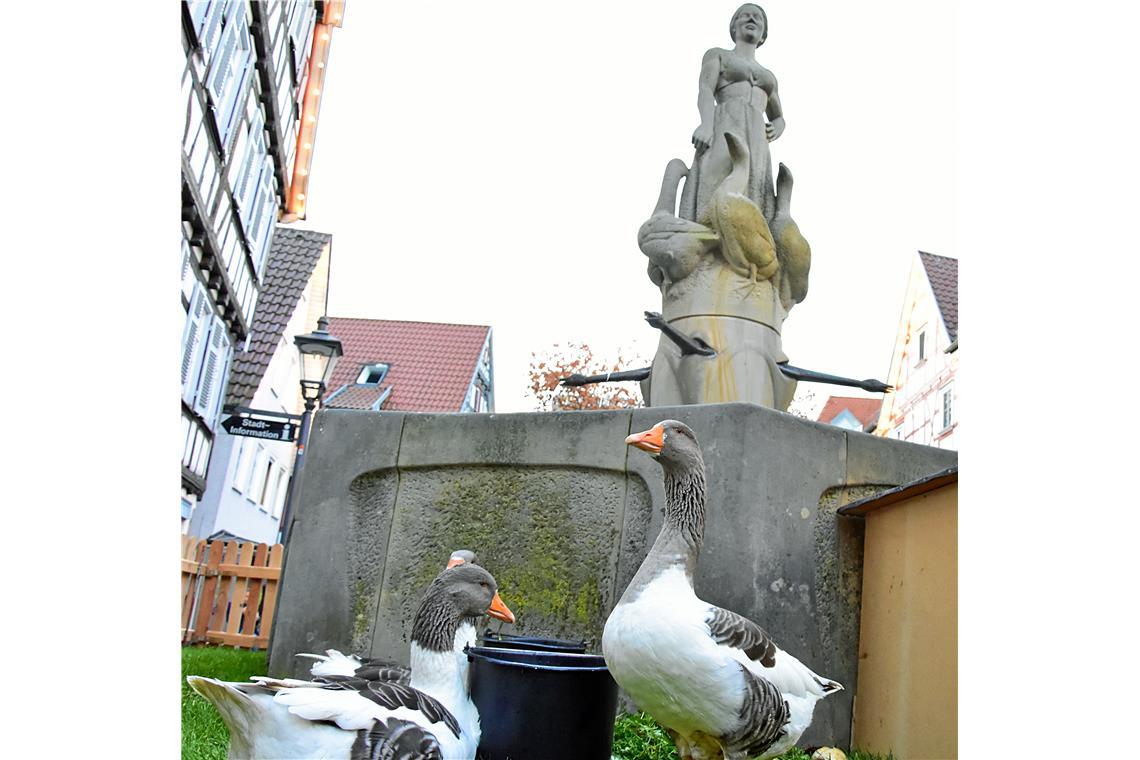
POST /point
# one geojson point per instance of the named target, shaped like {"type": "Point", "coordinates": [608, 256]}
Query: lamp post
{"type": "Point", "coordinates": [319, 353]}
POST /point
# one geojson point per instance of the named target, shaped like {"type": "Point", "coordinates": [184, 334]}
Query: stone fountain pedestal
{"type": "Point", "coordinates": [562, 512]}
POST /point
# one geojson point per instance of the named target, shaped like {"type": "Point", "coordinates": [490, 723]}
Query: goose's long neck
{"type": "Point", "coordinates": [685, 510]}
{"type": "Point", "coordinates": [679, 542]}
{"type": "Point", "coordinates": [434, 664]}
{"type": "Point", "coordinates": [667, 198]}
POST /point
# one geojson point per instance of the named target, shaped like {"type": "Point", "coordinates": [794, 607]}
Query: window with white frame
{"type": "Point", "coordinates": [252, 481]}
{"type": "Point", "coordinates": [282, 490]}
{"type": "Point", "coordinates": [244, 463]}
{"type": "Point", "coordinates": [947, 406]}
{"type": "Point", "coordinates": [920, 346]}
{"type": "Point", "coordinates": [266, 484]}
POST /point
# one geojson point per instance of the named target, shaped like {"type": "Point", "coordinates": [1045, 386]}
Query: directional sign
{"type": "Point", "coordinates": [272, 430]}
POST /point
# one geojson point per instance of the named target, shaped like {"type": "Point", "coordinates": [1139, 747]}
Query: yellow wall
{"type": "Point", "coordinates": [907, 698]}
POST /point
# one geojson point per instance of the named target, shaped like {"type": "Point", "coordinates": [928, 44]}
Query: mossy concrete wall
{"type": "Point", "coordinates": [562, 512]}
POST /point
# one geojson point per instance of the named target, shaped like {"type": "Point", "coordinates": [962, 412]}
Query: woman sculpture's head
{"type": "Point", "coordinates": [751, 21]}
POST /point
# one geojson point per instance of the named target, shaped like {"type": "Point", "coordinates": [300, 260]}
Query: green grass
{"type": "Point", "coordinates": [638, 737]}
{"type": "Point", "coordinates": [204, 736]}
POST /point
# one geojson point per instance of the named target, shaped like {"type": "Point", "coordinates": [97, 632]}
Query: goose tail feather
{"type": "Point", "coordinates": [829, 686]}
{"type": "Point", "coordinates": [243, 712]}
{"type": "Point", "coordinates": [333, 663]}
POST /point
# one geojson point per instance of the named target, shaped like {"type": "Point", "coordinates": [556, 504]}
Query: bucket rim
{"type": "Point", "coordinates": [494, 654]}
{"type": "Point", "coordinates": [489, 635]}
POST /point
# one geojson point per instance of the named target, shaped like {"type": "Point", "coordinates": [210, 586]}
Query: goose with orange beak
{"type": "Point", "coordinates": [348, 717]}
{"type": "Point", "coordinates": [333, 663]}
{"type": "Point", "coordinates": [714, 679]}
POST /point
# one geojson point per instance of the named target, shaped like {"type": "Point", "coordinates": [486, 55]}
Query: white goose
{"type": "Point", "coordinates": [714, 679]}
{"type": "Point", "coordinates": [334, 663]}
{"type": "Point", "coordinates": [432, 718]}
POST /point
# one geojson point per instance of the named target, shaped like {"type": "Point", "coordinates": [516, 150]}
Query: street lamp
{"type": "Point", "coordinates": [319, 353]}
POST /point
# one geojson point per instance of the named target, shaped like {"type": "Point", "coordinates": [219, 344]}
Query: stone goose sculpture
{"type": "Point", "coordinates": [348, 717]}
{"type": "Point", "coordinates": [745, 240]}
{"type": "Point", "coordinates": [714, 679]}
{"type": "Point", "coordinates": [674, 245]}
{"type": "Point", "coordinates": [335, 663]}
{"type": "Point", "coordinates": [792, 250]}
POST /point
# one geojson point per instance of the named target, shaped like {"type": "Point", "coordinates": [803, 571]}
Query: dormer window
{"type": "Point", "coordinates": [372, 374]}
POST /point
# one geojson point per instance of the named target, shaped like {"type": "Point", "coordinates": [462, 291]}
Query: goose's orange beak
{"type": "Point", "coordinates": [500, 610]}
{"type": "Point", "coordinates": [455, 561]}
{"type": "Point", "coordinates": [650, 440]}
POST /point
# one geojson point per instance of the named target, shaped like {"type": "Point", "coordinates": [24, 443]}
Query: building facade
{"type": "Point", "coordinates": [923, 407]}
{"type": "Point", "coordinates": [251, 88]}
{"type": "Point", "coordinates": [250, 477]}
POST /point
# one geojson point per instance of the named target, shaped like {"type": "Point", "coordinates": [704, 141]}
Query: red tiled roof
{"type": "Point", "coordinates": [942, 271]}
{"type": "Point", "coordinates": [866, 410]}
{"type": "Point", "coordinates": [431, 364]}
{"type": "Point", "coordinates": [355, 396]}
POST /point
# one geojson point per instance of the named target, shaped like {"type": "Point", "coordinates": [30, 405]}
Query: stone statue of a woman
{"type": "Point", "coordinates": [730, 261]}
{"type": "Point", "coordinates": [734, 95]}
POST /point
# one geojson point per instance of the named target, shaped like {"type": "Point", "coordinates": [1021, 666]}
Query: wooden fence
{"type": "Point", "coordinates": [229, 591]}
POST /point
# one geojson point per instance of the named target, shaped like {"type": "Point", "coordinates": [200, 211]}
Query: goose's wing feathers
{"type": "Point", "coordinates": [393, 695]}
{"type": "Point", "coordinates": [732, 630]}
{"type": "Point", "coordinates": [764, 716]}
{"type": "Point", "coordinates": [790, 676]}
{"type": "Point", "coordinates": [351, 703]}
{"type": "Point", "coordinates": [395, 739]}
{"type": "Point", "coordinates": [335, 663]}
{"type": "Point", "coordinates": [383, 671]}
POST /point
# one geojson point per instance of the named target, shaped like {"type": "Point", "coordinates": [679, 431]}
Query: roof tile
{"type": "Point", "coordinates": [942, 271]}
{"type": "Point", "coordinates": [292, 258]}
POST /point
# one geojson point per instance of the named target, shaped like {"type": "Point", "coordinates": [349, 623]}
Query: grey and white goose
{"type": "Point", "coordinates": [431, 718]}
{"type": "Point", "coordinates": [333, 663]}
{"type": "Point", "coordinates": [713, 678]}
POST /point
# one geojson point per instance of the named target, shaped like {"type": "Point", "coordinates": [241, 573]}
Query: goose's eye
{"type": "Point", "coordinates": [483, 584]}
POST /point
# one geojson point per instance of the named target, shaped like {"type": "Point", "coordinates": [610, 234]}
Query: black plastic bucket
{"type": "Point", "coordinates": [507, 641]}
{"type": "Point", "coordinates": [538, 705]}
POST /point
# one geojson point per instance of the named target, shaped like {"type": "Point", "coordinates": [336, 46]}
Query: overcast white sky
{"type": "Point", "coordinates": [492, 164]}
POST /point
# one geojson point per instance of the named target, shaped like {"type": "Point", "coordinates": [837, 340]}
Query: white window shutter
{"type": "Point", "coordinates": [213, 372]}
{"type": "Point", "coordinates": [245, 190]}
{"type": "Point", "coordinates": [221, 74]}
{"type": "Point", "coordinates": [264, 215]}
{"type": "Point", "coordinates": [188, 278]}
{"type": "Point", "coordinates": [226, 360]}
{"type": "Point", "coordinates": [197, 322]}
{"type": "Point", "coordinates": [211, 30]}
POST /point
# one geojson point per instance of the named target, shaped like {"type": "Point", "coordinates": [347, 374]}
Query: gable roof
{"type": "Point", "coordinates": [866, 410]}
{"type": "Point", "coordinates": [942, 272]}
{"type": "Point", "coordinates": [430, 363]}
{"type": "Point", "coordinates": [292, 258]}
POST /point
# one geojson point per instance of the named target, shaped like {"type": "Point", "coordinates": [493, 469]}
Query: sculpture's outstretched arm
{"type": "Point", "coordinates": [811, 376]}
{"type": "Point", "coordinates": [684, 342]}
{"type": "Point", "coordinates": [607, 377]}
